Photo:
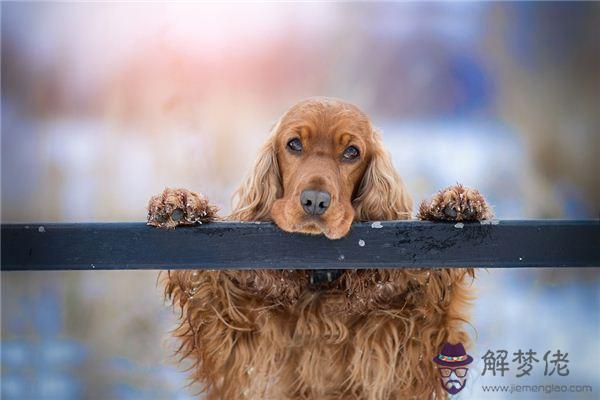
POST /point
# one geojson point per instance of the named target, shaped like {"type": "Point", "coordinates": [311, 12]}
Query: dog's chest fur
{"type": "Point", "coordinates": [250, 345]}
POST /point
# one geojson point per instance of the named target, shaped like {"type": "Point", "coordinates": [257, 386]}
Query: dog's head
{"type": "Point", "coordinates": [323, 167]}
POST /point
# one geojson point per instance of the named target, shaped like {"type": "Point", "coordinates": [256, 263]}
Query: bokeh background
{"type": "Point", "coordinates": [104, 105]}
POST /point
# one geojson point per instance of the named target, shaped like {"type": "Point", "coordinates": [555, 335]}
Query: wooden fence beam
{"type": "Point", "coordinates": [393, 244]}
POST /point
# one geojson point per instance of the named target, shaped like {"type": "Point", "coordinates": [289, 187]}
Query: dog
{"type": "Point", "coordinates": [360, 334]}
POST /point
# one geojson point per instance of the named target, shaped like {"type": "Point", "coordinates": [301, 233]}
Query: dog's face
{"type": "Point", "coordinates": [323, 167]}
{"type": "Point", "coordinates": [323, 150]}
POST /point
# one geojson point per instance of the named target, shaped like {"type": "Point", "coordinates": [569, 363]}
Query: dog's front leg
{"type": "Point", "coordinates": [454, 204]}
{"type": "Point", "coordinates": [449, 289]}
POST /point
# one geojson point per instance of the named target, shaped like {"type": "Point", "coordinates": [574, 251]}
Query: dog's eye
{"type": "Point", "coordinates": [351, 153]}
{"type": "Point", "coordinates": [295, 145]}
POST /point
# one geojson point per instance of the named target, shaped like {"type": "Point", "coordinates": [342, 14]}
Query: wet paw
{"type": "Point", "coordinates": [455, 203]}
{"type": "Point", "coordinates": [175, 207]}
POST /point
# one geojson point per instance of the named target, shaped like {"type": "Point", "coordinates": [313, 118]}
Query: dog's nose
{"type": "Point", "coordinates": [315, 202]}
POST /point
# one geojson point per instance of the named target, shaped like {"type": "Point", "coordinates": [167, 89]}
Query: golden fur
{"type": "Point", "coordinates": [370, 335]}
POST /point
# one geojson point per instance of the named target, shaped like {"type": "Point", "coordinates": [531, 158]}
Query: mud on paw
{"type": "Point", "coordinates": [175, 207]}
{"type": "Point", "coordinates": [456, 203]}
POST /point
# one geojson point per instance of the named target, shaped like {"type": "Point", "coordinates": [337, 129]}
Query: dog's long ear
{"type": "Point", "coordinates": [259, 190]}
{"type": "Point", "coordinates": [381, 194]}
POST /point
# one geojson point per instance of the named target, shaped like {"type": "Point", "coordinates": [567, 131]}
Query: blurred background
{"type": "Point", "coordinates": [104, 105]}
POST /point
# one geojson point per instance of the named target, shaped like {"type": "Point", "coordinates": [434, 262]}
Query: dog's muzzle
{"type": "Point", "coordinates": [322, 278]}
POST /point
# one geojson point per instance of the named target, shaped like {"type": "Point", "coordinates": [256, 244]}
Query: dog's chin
{"type": "Point", "coordinates": [314, 226]}
{"type": "Point", "coordinates": [317, 226]}
{"type": "Point", "coordinates": [291, 219]}
{"type": "Point", "coordinates": [310, 227]}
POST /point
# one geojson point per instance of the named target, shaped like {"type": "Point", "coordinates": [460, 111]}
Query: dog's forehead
{"type": "Point", "coordinates": [327, 118]}
{"type": "Point", "coordinates": [325, 109]}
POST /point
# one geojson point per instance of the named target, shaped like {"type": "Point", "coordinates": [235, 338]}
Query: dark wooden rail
{"type": "Point", "coordinates": [395, 244]}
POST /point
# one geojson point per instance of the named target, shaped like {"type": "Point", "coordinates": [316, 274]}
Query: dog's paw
{"type": "Point", "coordinates": [175, 207]}
{"type": "Point", "coordinates": [455, 203]}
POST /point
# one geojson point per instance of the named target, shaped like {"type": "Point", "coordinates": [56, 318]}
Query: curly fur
{"type": "Point", "coordinates": [373, 338]}
{"type": "Point", "coordinates": [264, 334]}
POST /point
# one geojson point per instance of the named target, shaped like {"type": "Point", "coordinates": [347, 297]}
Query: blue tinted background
{"type": "Point", "coordinates": [104, 105]}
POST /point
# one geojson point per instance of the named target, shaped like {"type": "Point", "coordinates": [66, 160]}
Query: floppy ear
{"type": "Point", "coordinates": [259, 190]}
{"type": "Point", "coordinates": [381, 194]}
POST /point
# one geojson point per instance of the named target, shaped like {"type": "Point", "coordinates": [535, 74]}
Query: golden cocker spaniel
{"type": "Point", "coordinates": [305, 334]}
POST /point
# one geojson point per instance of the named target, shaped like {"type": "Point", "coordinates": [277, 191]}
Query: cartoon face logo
{"type": "Point", "coordinates": [452, 362]}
